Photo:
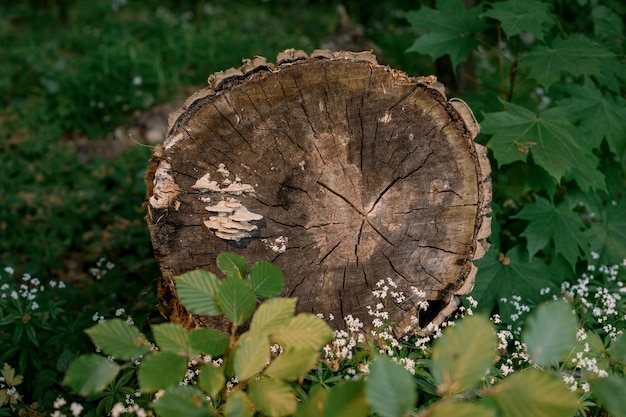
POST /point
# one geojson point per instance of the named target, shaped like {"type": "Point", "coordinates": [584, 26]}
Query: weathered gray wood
{"type": "Point", "coordinates": [339, 170]}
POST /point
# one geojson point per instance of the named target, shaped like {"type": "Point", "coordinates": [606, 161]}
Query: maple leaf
{"type": "Point", "coordinates": [502, 276]}
{"type": "Point", "coordinates": [518, 16]}
{"type": "Point", "coordinates": [559, 224]}
{"type": "Point", "coordinates": [600, 116]}
{"type": "Point", "coordinates": [555, 144]}
{"type": "Point", "coordinates": [608, 235]}
{"type": "Point", "coordinates": [577, 55]}
{"type": "Point", "coordinates": [451, 30]}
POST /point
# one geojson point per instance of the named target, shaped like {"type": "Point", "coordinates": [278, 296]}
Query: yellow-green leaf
{"type": "Point", "coordinates": [238, 405]}
{"type": "Point", "coordinates": [119, 339]}
{"type": "Point", "coordinates": [173, 338]}
{"type": "Point", "coordinates": [292, 363]}
{"type": "Point", "coordinates": [212, 380]}
{"type": "Point", "coordinates": [534, 393]}
{"type": "Point", "coordinates": [272, 315]}
{"type": "Point", "coordinates": [272, 397]}
{"type": "Point", "coordinates": [251, 357]}
{"type": "Point", "coordinates": [197, 291]}
{"type": "Point", "coordinates": [304, 331]}
{"type": "Point", "coordinates": [90, 374]}
{"type": "Point", "coordinates": [463, 354]}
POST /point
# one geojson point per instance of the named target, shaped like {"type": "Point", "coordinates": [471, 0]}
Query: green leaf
{"type": "Point", "coordinates": [251, 357]}
{"type": "Point", "coordinates": [452, 30]}
{"type": "Point", "coordinates": [304, 331]}
{"type": "Point", "coordinates": [238, 405]}
{"type": "Point", "coordinates": [232, 264]}
{"type": "Point", "coordinates": [292, 363]}
{"type": "Point", "coordinates": [212, 380]}
{"type": "Point", "coordinates": [90, 374]}
{"type": "Point", "coordinates": [10, 378]}
{"type": "Point", "coordinates": [237, 299]}
{"type": "Point", "coordinates": [607, 235]}
{"type": "Point", "coordinates": [161, 370]}
{"type": "Point", "coordinates": [389, 388]}
{"type": "Point", "coordinates": [272, 397]}
{"type": "Point", "coordinates": [347, 398]}
{"type": "Point", "coordinates": [197, 291]}
{"type": "Point", "coordinates": [618, 348]}
{"type": "Point", "coordinates": [266, 279]}
{"type": "Point", "coordinates": [534, 393]}
{"type": "Point", "coordinates": [463, 354]}
{"type": "Point", "coordinates": [502, 276]}
{"type": "Point", "coordinates": [209, 341]}
{"type": "Point", "coordinates": [576, 55]}
{"type": "Point", "coordinates": [182, 401]}
{"type": "Point", "coordinates": [611, 392]}
{"type": "Point", "coordinates": [555, 144]}
{"type": "Point", "coordinates": [119, 339]}
{"type": "Point", "coordinates": [313, 406]}
{"type": "Point", "coordinates": [519, 16]}
{"type": "Point", "coordinates": [550, 332]}
{"type": "Point", "coordinates": [600, 115]}
{"type": "Point", "coordinates": [273, 314]}
{"type": "Point", "coordinates": [460, 409]}
{"type": "Point", "coordinates": [559, 224]}
{"type": "Point", "coordinates": [173, 338]}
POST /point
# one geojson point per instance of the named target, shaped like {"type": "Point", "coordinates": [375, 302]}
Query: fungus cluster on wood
{"type": "Point", "coordinates": [339, 170]}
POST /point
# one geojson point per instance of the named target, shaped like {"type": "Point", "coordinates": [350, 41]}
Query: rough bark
{"type": "Point", "coordinates": [341, 171]}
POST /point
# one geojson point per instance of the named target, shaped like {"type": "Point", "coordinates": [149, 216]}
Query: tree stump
{"type": "Point", "coordinates": [340, 171]}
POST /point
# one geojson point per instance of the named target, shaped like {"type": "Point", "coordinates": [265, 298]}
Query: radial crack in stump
{"type": "Point", "coordinates": [341, 171]}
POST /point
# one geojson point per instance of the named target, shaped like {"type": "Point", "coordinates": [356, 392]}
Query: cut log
{"type": "Point", "coordinates": [340, 171]}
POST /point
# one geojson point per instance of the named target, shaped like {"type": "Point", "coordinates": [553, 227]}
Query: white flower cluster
{"type": "Point", "coordinates": [75, 408]}
{"type": "Point", "coordinates": [28, 289]}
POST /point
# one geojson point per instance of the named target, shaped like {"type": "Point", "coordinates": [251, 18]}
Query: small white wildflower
{"type": "Point", "coordinates": [119, 312]}
{"type": "Point", "coordinates": [76, 409]}
{"type": "Point", "coordinates": [9, 270]}
{"type": "Point", "coordinates": [595, 255]}
{"type": "Point", "coordinates": [137, 80]}
{"type": "Point", "coordinates": [14, 295]}
{"type": "Point", "coordinates": [59, 402]}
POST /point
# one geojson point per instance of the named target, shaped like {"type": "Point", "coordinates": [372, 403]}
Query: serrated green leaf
{"type": "Point", "coordinates": [232, 264]}
{"type": "Point", "coordinates": [182, 401]}
{"type": "Point", "coordinates": [389, 388]}
{"type": "Point", "coordinates": [161, 370]}
{"type": "Point", "coordinates": [610, 391]}
{"type": "Point", "coordinates": [554, 223]}
{"type": "Point", "coordinates": [534, 393]}
{"type": "Point", "coordinates": [451, 27]}
{"type": "Point", "coordinates": [251, 357]}
{"type": "Point", "coordinates": [607, 235]}
{"type": "Point", "coordinates": [119, 339]}
{"type": "Point", "coordinates": [313, 405]}
{"type": "Point", "coordinates": [600, 115]}
{"type": "Point", "coordinates": [173, 338]}
{"type": "Point", "coordinates": [197, 291]}
{"type": "Point", "coordinates": [272, 397]}
{"type": "Point", "coordinates": [460, 409]}
{"type": "Point", "coordinates": [236, 299]}
{"type": "Point", "coordinates": [238, 405]}
{"type": "Point", "coordinates": [577, 55]}
{"type": "Point", "coordinates": [90, 374]}
{"type": "Point", "coordinates": [212, 380]}
{"type": "Point", "coordinates": [502, 276]}
{"type": "Point", "coordinates": [273, 314]}
{"type": "Point", "coordinates": [209, 341]}
{"type": "Point", "coordinates": [304, 331]}
{"type": "Point", "coordinates": [347, 398]}
{"type": "Point", "coordinates": [550, 332]}
{"type": "Point", "coordinates": [555, 144]}
{"type": "Point", "coordinates": [292, 363]}
{"type": "Point", "coordinates": [519, 16]}
{"type": "Point", "coordinates": [463, 354]}
{"type": "Point", "coordinates": [266, 279]}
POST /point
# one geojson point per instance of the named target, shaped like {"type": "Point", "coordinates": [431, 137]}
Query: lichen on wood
{"type": "Point", "coordinates": [339, 170]}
